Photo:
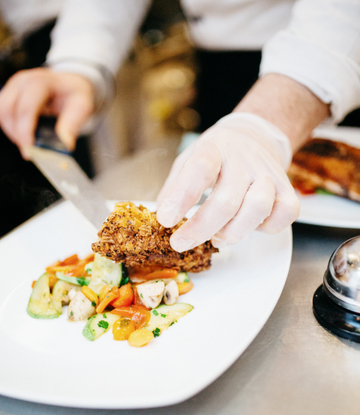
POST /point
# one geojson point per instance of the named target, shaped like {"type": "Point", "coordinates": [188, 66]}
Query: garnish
{"type": "Point", "coordinates": [163, 315]}
{"type": "Point", "coordinates": [156, 332]}
{"type": "Point", "coordinates": [93, 303]}
{"type": "Point", "coordinates": [141, 295]}
{"type": "Point", "coordinates": [103, 324]}
{"type": "Point", "coordinates": [124, 281]}
{"type": "Point", "coordinates": [155, 313]}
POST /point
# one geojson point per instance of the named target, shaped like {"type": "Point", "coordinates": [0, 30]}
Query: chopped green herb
{"type": "Point", "coordinates": [155, 313]}
{"type": "Point", "coordinates": [93, 303]}
{"type": "Point", "coordinates": [173, 322]}
{"type": "Point", "coordinates": [124, 275]}
{"type": "Point", "coordinates": [156, 332]}
{"type": "Point", "coordinates": [88, 270]}
{"type": "Point", "coordinates": [186, 279]}
{"type": "Point", "coordinates": [82, 281]}
{"type": "Point", "coordinates": [323, 192]}
{"type": "Point", "coordinates": [103, 324]}
{"type": "Point", "coordinates": [163, 315]}
{"type": "Point", "coordinates": [104, 315]}
{"type": "Point", "coordinates": [141, 295]}
{"type": "Point", "coordinates": [71, 313]}
{"type": "Point", "coordinates": [124, 281]}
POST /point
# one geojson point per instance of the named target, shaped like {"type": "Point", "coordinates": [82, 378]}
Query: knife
{"type": "Point", "coordinates": [52, 158]}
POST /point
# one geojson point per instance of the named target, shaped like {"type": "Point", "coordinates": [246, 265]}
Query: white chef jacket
{"type": "Point", "coordinates": [315, 42]}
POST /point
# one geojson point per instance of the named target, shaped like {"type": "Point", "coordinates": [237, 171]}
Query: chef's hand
{"type": "Point", "coordinates": [34, 92]}
{"type": "Point", "coordinates": [247, 158]}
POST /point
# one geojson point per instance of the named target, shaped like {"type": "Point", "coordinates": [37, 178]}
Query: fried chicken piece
{"type": "Point", "coordinates": [329, 165]}
{"type": "Point", "coordinates": [133, 236]}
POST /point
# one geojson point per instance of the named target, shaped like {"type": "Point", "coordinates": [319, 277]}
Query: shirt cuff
{"type": "Point", "coordinates": [333, 78]}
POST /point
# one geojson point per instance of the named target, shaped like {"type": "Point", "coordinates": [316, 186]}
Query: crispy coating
{"type": "Point", "coordinates": [329, 165]}
{"type": "Point", "coordinates": [133, 236]}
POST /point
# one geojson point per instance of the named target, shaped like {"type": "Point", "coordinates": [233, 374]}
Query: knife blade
{"type": "Point", "coordinates": [63, 172]}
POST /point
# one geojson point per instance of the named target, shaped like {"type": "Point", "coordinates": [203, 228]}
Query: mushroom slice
{"type": "Point", "coordinates": [151, 293]}
{"type": "Point", "coordinates": [71, 294]}
{"type": "Point", "coordinates": [80, 308]}
{"type": "Point", "coordinates": [171, 293]}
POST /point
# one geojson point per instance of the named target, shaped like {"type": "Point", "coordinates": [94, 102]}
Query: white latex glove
{"type": "Point", "coordinates": [247, 158]}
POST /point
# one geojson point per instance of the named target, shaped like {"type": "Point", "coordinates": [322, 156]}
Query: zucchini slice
{"type": "Point", "coordinates": [98, 325]}
{"type": "Point", "coordinates": [40, 304]}
{"type": "Point", "coordinates": [60, 294]}
{"type": "Point", "coordinates": [164, 316]}
{"type": "Point", "coordinates": [104, 271]}
{"type": "Point", "coordinates": [73, 280]}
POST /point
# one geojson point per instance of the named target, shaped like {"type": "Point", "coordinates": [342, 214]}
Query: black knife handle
{"type": "Point", "coordinates": [45, 136]}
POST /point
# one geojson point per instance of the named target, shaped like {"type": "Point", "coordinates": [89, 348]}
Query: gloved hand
{"type": "Point", "coordinates": [41, 91]}
{"type": "Point", "coordinates": [246, 157]}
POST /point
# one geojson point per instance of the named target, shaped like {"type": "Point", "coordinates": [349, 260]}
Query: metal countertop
{"type": "Point", "coordinates": [293, 367]}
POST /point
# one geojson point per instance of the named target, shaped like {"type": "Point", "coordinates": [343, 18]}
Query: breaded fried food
{"type": "Point", "coordinates": [132, 235]}
{"type": "Point", "coordinates": [329, 165]}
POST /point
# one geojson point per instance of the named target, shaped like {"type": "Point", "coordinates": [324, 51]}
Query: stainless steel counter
{"type": "Point", "coordinates": [293, 367]}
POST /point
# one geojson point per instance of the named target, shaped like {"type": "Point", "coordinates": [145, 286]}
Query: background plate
{"type": "Point", "coordinates": [328, 210]}
{"type": "Point", "coordinates": [51, 362]}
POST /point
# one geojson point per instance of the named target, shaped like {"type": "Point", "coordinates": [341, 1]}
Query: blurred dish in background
{"type": "Point", "coordinates": [333, 171]}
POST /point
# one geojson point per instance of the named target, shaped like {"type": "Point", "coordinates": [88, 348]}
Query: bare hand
{"type": "Point", "coordinates": [34, 92]}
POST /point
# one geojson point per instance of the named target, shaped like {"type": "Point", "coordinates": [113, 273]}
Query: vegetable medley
{"type": "Point", "coordinates": [137, 303]}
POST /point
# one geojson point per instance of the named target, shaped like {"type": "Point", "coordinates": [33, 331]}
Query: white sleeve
{"type": "Point", "coordinates": [321, 50]}
{"type": "Point", "coordinates": [92, 38]}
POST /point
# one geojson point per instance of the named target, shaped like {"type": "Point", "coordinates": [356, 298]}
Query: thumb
{"type": "Point", "coordinates": [76, 111]}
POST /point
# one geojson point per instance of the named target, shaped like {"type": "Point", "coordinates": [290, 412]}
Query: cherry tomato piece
{"type": "Point", "coordinates": [122, 329]}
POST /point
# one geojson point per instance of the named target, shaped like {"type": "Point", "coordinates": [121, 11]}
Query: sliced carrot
{"type": "Point", "coordinates": [89, 294]}
{"type": "Point", "coordinates": [71, 266]}
{"type": "Point", "coordinates": [110, 296]}
{"type": "Point", "coordinates": [89, 258]}
{"type": "Point", "coordinates": [185, 287]}
{"type": "Point", "coordinates": [71, 260]}
{"type": "Point", "coordinates": [140, 315]}
{"type": "Point", "coordinates": [77, 270]}
{"type": "Point", "coordinates": [154, 275]}
{"type": "Point", "coordinates": [50, 268]}
{"type": "Point", "coordinates": [126, 296]}
{"type": "Point", "coordinates": [143, 270]}
{"type": "Point", "coordinates": [33, 284]}
{"type": "Point", "coordinates": [103, 292]}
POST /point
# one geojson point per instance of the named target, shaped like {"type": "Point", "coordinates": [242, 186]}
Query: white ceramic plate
{"type": "Point", "coordinates": [51, 362]}
{"type": "Point", "coordinates": [328, 210]}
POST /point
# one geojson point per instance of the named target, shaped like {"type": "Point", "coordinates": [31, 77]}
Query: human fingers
{"type": "Point", "coordinates": [197, 173]}
{"type": "Point", "coordinates": [285, 211]}
{"type": "Point", "coordinates": [8, 98]}
{"type": "Point", "coordinates": [76, 110]}
{"type": "Point", "coordinates": [219, 208]}
{"type": "Point", "coordinates": [256, 207]}
{"type": "Point", "coordinates": [174, 173]}
{"type": "Point", "coordinates": [29, 105]}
